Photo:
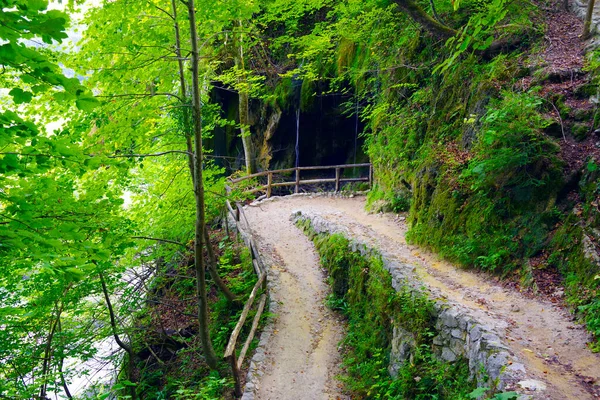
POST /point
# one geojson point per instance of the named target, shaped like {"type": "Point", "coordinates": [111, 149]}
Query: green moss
{"type": "Point", "coordinates": [307, 95]}
{"type": "Point", "coordinates": [580, 131]}
{"type": "Point", "coordinates": [568, 254]}
{"type": "Point", "coordinates": [582, 115]}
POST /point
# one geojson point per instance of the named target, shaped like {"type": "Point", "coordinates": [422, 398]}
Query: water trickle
{"type": "Point", "coordinates": [297, 137]}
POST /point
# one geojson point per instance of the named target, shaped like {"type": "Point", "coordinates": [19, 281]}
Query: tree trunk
{"type": "Point", "coordinates": [188, 134]}
{"type": "Point", "coordinates": [209, 352]}
{"type": "Point", "coordinates": [61, 362]}
{"type": "Point", "coordinates": [434, 27]}
{"type": "Point", "coordinates": [243, 108]}
{"type": "Point", "coordinates": [182, 87]}
{"type": "Point", "coordinates": [245, 132]}
{"type": "Point", "coordinates": [588, 20]}
{"type": "Point", "coordinates": [47, 353]}
{"type": "Point", "coordinates": [113, 325]}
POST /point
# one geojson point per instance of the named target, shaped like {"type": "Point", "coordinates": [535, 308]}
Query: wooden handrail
{"type": "Point", "coordinates": [243, 226]}
{"type": "Point", "coordinates": [261, 307]}
{"type": "Point", "coordinates": [312, 168]}
{"type": "Point", "coordinates": [338, 180]}
{"type": "Point", "coordinates": [238, 327]}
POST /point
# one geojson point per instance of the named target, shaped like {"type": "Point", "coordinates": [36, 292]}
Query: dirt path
{"type": "Point", "coordinates": [303, 358]}
{"type": "Point", "coordinates": [303, 362]}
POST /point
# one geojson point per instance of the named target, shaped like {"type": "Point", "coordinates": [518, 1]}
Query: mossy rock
{"type": "Point", "coordinates": [582, 115]}
{"type": "Point", "coordinates": [553, 129]}
{"type": "Point", "coordinates": [585, 91]}
{"type": "Point", "coordinates": [580, 131]}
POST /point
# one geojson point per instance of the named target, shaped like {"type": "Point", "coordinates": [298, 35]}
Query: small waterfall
{"type": "Point", "coordinates": [355, 133]}
{"type": "Point", "coordinates": [297, 137]}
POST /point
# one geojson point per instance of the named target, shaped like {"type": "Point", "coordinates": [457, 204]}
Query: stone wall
{"type": "Point", "coordinates": [579, 8]}
{"type": "Point", "coordinates": [461, 331]}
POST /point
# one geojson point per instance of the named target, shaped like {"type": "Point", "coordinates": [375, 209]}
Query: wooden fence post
{"type": "Point", "coordinates": [370, 176]}
{"type": "Point", "coordinates": [269, 183]}
{"type": "Point", "coordinates": [236, 375]}
{"type": "Point", "coordinates": [337, 179]}
{"type": "Point", "coordinates": [297, 181]}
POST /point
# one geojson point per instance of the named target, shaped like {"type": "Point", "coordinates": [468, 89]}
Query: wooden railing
{"type": "Point", "coordinates": [243, 227]}
{"type": "Point", "coordinates": [236, 361]}
{"type": "Point", "coordinates": [338, 180]}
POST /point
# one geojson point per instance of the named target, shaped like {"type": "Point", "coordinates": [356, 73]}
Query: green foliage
{"type": "Point", "coordinates": [481, 391]}
{"type": "Point", "coordinates": [511, 153]}
{"type": "Point", "coordinates": [494, 213]}
{"type": "Point", "coordinates": [573, 258]}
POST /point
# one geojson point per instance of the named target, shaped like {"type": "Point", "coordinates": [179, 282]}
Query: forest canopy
{"type": "Point", "coordinates": [111, 113]}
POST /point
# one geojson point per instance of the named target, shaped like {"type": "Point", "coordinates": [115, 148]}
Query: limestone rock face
{"type": "Point", "coordinates": [403, 344]}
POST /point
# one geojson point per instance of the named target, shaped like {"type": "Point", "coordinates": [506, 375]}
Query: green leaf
{"type": "Point", "coordinates": [486, 44]}
{"type": "Point", "coordinates": [74, 273]}
{"type": "Point", "coordinates": [506, 396]}
{"type": "Point", "coordinates": [591, 165]}
{"type": "Point", "coordinates": [10, 161]}
{"type": "Point", "coordinates": [475, 394]}
{"type": "Point", "coordinates": [20, 96]}
{"type": "Point", "coordinates": [11, 311]}
{"type": "Point", "coordinates": [463, 46]}
{"type": "Point", "coordinates": [62, 97]}
{"type": "Point", "coordinates": [87, 103]}
{"type": "Point", "coordinates": [37, 5]}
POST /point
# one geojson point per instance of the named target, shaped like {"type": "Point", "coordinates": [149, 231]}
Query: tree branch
{"type": "Point", "coordinates": [434, 27]}
{"type": "Point", "coordinates": [161, 9]}
{"type": "Point", "coordinates": [151, 154]}
{"type": "Point", "coordinates": [433, 10]}
{"type": "Point", "coordinates": [120, 343]}
{"type": "Point", "coordinates": [159, 240]}
{"type": "Point", "coordinates": [143, 95]}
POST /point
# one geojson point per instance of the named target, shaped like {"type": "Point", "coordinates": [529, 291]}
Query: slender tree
{"type": "Point", "coordinates": [587, 25]}
{"type": "Point", "coordinates": [209, 352]}
{"type": "Point", "coordinates": [190, 149]}
{"type": "Point", "coordinates": [243, 104]}
{"type": "Point", "coordinates": [125, 346]}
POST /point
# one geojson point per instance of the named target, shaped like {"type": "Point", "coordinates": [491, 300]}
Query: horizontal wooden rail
{"type": "Point", "coordinates": [338, 180]}
{"type": "Point", "coordinates": [312, 168]}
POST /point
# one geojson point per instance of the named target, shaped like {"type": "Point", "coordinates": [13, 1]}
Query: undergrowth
{"type": "Point", "coordinates": [169, 353]}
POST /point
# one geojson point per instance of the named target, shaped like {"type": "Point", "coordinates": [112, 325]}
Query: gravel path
{"type": "Point", "coordinates": [303, 360]}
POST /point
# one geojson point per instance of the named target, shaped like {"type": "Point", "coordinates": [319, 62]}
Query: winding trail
{"type": "Point", "coordinates": [303, 357]}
